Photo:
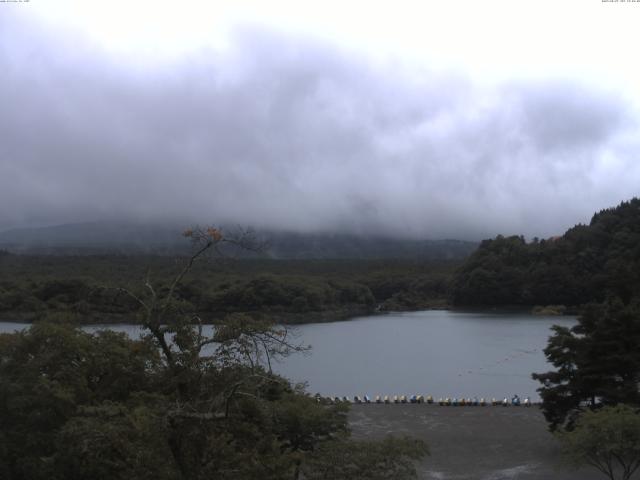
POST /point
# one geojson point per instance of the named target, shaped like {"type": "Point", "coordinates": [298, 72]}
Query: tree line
{"type": "Point", "coordinates": [587, 264]}
{"type": "Point", "coordinates": [83, 289]}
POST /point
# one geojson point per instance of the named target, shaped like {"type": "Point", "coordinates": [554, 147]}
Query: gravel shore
{"type": "Point", "coordinates": [479, 443]}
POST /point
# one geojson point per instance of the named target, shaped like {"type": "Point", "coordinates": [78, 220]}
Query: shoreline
{"type": "Point", "coordinates": [471, 443]}
{"type": "Point", "coordinates": [284, 318]}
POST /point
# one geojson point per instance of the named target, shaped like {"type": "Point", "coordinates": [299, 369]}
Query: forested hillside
{"type": "Point", "coordinates": [84, 289]}
{"type": "Point", "coordinates": [586, 264]}
{"type": "Point", "coordinates": [108, 238]}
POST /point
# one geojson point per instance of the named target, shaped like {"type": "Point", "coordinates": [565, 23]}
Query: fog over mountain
{"type": "Point", "coordinates": [161, 239]}
{"type": "Point", "coordinates": [285, 130]}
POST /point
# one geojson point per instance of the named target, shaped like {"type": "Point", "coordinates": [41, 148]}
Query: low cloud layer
{"type": "Point", "coordinates": [281, 131]}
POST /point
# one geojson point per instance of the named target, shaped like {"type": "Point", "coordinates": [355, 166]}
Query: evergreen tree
{"type": "Point", "coordinates": [597, 363]}
{"type": "Point", "coordinates": [586, 264]}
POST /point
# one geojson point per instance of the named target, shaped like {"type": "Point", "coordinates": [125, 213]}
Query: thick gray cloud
{"type": "Point", "coordinates": [287, 132]}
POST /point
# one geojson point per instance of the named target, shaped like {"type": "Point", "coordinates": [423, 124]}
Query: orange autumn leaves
{"type": "Point", "coordinates": [212, 233]}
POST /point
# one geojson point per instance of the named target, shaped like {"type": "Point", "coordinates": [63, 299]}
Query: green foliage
{"type": "Point", "coordinates": [75, 405]}
{"type": "Point", "coordinates": [175, 404]}
{"type": "Point", "coordinates": [586, 264]}
{"type": "Point", "coordinates": [50, 371]}
{"type": "Point", "coordinates": [597, 363]}
{"type": "Point", "coordinates": [85, 288]}
{"type": "Point", "coordinates": [607, 439]}
{"type": "Point", "coordinates": [113, 441]}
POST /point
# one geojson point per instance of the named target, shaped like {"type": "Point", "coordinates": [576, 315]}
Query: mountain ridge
{"type": "Point", "coordinates": [130, 238]}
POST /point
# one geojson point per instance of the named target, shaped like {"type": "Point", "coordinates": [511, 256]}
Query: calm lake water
{"type": "Point", "coordinates": [439, 353]}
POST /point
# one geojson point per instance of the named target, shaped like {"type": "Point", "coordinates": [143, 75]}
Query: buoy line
{"type": "Point", "coordinates": [516, 354]}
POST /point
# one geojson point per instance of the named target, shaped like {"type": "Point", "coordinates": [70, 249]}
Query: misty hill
{"type": "Point", "coordinates": [87, 238]}
{"type": "Point", "coordinates": [128, 238]}
{"type": "Point", "coordinates": [94, 238]}
{"type": "Point", "coordinates": [302, 246]}
{"type": "Point", "coordinates": [587, 263]}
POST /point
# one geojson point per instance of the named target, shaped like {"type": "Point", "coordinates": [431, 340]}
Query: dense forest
{"type": "Point", "coordinates": [587, 264]}
{"type": "Point", "coordinates": [84, 289]}
{"type": "Point", "coordinates": [175, 404]}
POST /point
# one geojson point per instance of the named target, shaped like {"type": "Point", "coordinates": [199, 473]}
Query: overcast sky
{"type": "Point", "coordinates": [422, 119]}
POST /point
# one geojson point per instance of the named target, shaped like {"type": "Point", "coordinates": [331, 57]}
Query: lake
{"type": "Point", "coordinates": [437, 352]}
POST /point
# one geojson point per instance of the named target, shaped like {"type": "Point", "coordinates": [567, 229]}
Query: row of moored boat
{"type": "Point", "coordinates": [515, 401]}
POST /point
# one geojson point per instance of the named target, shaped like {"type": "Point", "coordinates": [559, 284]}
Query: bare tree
{"type": "Point", "coordinates": [210, 373]}
{"type": "Point", "coordinates": [236, 339]}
